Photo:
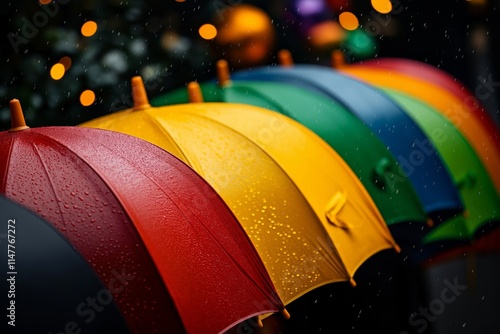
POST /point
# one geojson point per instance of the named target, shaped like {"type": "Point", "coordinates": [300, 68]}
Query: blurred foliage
{"type": "Point", "coordinates": [159, 40]}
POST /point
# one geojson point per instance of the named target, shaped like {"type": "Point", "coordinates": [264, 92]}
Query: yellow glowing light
{"type": "Point", "coordinates": [348, 21]}
{"type": "Point", "coordinates": [44, 2]}
{"type": "Point", "coordinates": [207, 31]}
{"type": "Point", "coordinates": [57, 71]}
{"type": "Point", "coordinates": [382, 6]}
{"type": "Point", "coordinates": [87, 97]}
{"type": "Point", "coordinates": [66, 62]}
{"type": "Point", "coordinates": [89, 28]}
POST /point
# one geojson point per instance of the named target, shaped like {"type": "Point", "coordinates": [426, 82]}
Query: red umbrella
{"type": "Point", "coordinates": [170, 252]}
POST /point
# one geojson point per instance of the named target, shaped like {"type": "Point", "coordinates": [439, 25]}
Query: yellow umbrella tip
{"type": "Point", "coordinates": [353, 282]}
{"type": "Point", "coordinates": [397, 249]}
{"type": "Point", "coordinates": [285, 314]}
{"type": "Point", "coordinates": [338, 59]}
{"type": "Point", "coordinates": [285, 58]}
{"type": "Point", "coordinates": [139, 95]}
{"type": "Point", "coordinates": [17, 116]}
{"type": "Point", "coordinates": [194, 92]}
{"type": "Point", "coordinates": [223, 75]}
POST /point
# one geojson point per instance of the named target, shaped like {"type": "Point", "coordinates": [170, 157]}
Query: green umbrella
{"type": "Point", "coordinates": [476, 188]}
{"type": "Point", "coordinates": [361, 149]}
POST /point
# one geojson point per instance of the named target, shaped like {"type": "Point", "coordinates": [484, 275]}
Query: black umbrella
{"type": "Point", "coordinates": [46, 286]}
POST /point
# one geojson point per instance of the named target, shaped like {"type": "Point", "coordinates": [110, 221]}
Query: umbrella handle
{"type": "Point", "coordinates": [379, 172]}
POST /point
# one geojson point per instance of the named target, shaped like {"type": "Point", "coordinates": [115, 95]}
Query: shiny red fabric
{"type": "Point", "coordinates": [158, 236]}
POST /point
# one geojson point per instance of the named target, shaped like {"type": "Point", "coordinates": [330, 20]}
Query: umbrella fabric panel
{"type": "Point", "coordinates": [443, 80]}
{"type": "Point", "coordinates": [391, 191]}
{"type": "Point", "coordinates": [291, 241]}
{"type": "Point", "coordinates": [220, 242]}
{"type": "Point", "coordinates": [429, 178]}
{"type": "Point", "coordinates": [80, 205]}
{"type": "Point", "coordinates": [485, 142]}
{"type": "Point", "coordinates": [53, 282]}
{"type": "Point", "coordinates": [355, 226]}
{"type": "Point", "coordinates": [126, 165]}
{"type": "Point", "coordinates": [479, 196]}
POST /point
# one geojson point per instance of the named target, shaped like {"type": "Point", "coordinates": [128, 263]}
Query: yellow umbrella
{"type": "Point", "coordinates": [290, 239]}
{"type": "Point", "coordinates": [338, 197]}
{"type": "Point", "coordinates": [260, 162]}
{"type": "Point", "coordinates": [454, 109]}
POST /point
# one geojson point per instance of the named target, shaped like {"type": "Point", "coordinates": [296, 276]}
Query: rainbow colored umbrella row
{"type": "Point", "coordinates": [297, 176]}
{"type": "Point", "coordinates": [418, 162]}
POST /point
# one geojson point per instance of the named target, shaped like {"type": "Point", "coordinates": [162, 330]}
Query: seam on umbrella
{"type": "Point", "coordinates": [119, 200]}
{"type": "Point", "coordinates": [45, 169]}
{"type": "Point", "coordinates": [166, 133]}
{"type": "Point", "coordinates": [289, 179]}
{"type": "Point", "coordinates": [183, 211]}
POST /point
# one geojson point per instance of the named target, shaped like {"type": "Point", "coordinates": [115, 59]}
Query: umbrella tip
{"type": "Point", "coordinates": [17, 116]}
{"type": "Point", "coordinates": [259, 321]}
{"type": "Point", "coordinates": [285, 58]}
{"type": "Point", "coordinates": [194, 92]}
{"type": "Point", "coordinates": [353, 282]}
{"type": "Point", "coordinates": [285, 314]}
{"type": "Point", "coordinates": [223, 75]}
{"type": "Point", "coordinates": [397, 249]}
{"type": "Point", "coordinates": [338, 59]}
{"type": "Point", "coordinates": [139, 95]}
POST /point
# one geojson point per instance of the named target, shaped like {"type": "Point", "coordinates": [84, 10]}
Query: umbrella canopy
{"type": "Point", "coordinates": [333, 190]}
{"type": "Point", "coordinates": [289, 237]}
{"type": "Point", "coordinates": [481, 134]}
{"type": "Point", "coordinates": [402, 137]}
{"type": "Point", "coordinates": [128, 207]}
{"type": "Point", "coordinates": [436, 76]}
{"type": "Point", "coordinates": [478, 193]}
{"type": "Point", "coordinates": [50, 278]}
{"type": "Point", "coordinates": [373, 165]}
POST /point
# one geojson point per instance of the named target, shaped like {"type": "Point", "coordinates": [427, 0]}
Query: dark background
{"type": "Point", "coordinates": [456, 35]}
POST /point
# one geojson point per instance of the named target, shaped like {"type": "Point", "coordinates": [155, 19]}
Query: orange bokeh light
{"type": "Point", "coordinates": [57, 71]}
{"type": "Point", "coordinates": [207, 31]}
{"type": "Point", "coordinates": [89, 28]}
{"type": "Point", "coordinates": [348, 21]}
{"type": "Point", "coordinates": [87, 97]}
{"type": "Point", "coordinates": [382, 6]}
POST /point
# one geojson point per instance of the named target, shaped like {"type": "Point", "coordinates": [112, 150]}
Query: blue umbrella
{"type": "Point", "coordinates": [417, 158]}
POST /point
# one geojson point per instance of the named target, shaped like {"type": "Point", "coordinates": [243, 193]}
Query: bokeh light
{"type": "Point", "coordinates": [57, 71]}
{"type": "Point", "coordinates": [44, 2]}
{"type": "Point", "coordinates": [382, 6]}
{"type": "Point", "coordinates": [348, 21]}
{"type": "Point", "coordinates": [89, 28]}
{"type": "Point", "coordinates": [66, 62]}
{"type": "Point", "coordinates": [87, 97]}
{"type": "Point", "coordinates": [207, 31]}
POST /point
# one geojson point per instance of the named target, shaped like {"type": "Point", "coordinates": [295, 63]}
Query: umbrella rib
{"type": "Point", "coordinates": [346, 272]}
{"type": "Point", "coordinates": [45, 170]}
{"type": "Point", "coordinates": [186, 209]}
{"type": "Point", "coordinates": [170, 196]}
{"type": "Point", "coordinates": [167, 134]}
{"type": "Point", "coordinates": [269, 99]}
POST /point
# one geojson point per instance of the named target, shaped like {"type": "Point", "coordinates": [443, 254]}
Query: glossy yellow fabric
{"type": "Point", "coordinates": [446, 103]}
{"type": "Point", "coordinates": [287, 234]}
{"type": "Point", "coordinates": [337, 196]}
